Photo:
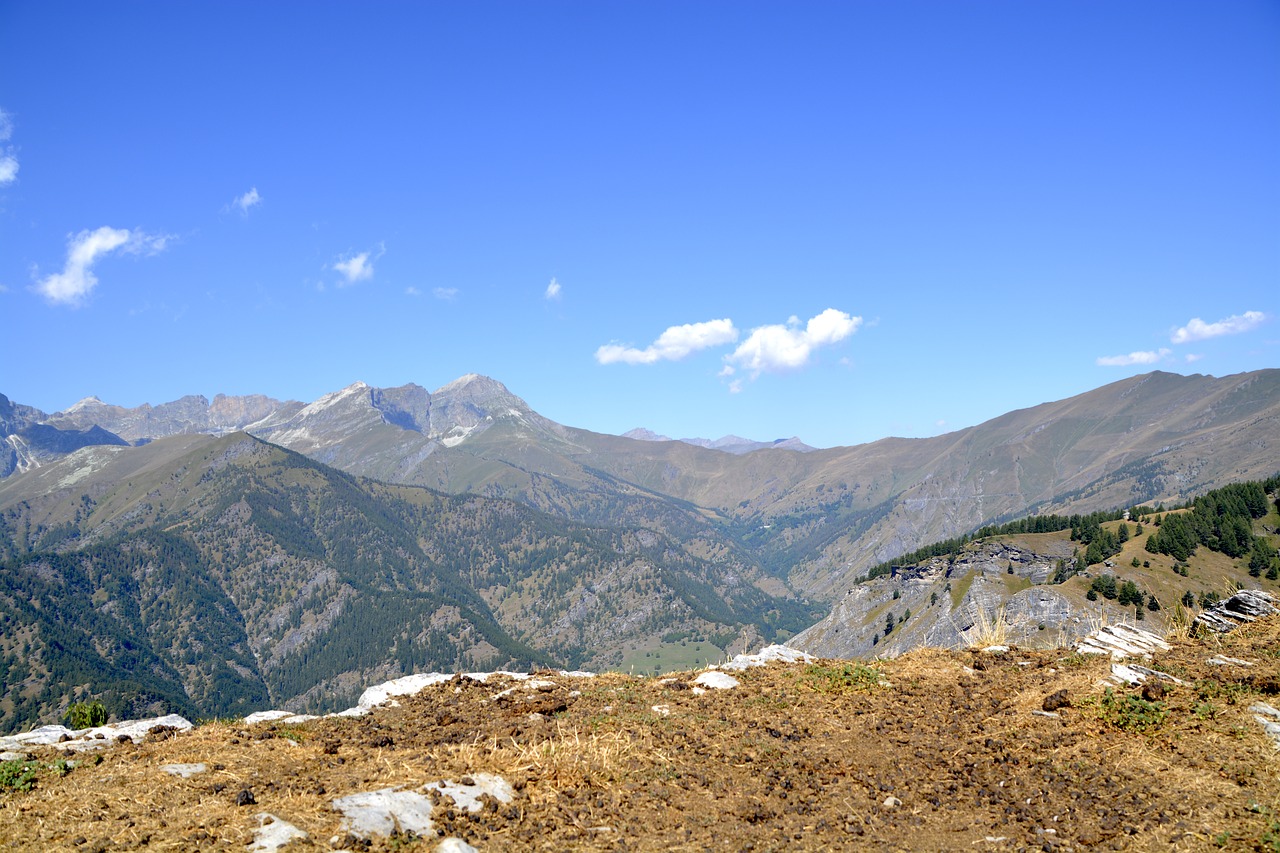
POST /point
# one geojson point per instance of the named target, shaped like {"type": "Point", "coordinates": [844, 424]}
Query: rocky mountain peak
{"type": "Point", "coordinates": [90, 402]}
{"type": "Point", "coordinates": [642, 434]}
{"type": "Point", "coordinates": [480, 390]}
{"type": "Point", "coordinates": [729, 444]}
{"type": "Point", "coordinates": [408, 406]}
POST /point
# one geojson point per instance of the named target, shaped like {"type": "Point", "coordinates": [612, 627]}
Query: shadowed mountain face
{"type": "Point", "coordinates": [28, 442]}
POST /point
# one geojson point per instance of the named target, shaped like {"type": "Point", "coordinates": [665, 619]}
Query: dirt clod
{"type": "Point", "coordinates": [1056, 700]}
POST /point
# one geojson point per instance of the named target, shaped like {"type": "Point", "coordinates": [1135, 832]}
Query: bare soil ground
{"type": "Point", "coordinates": [936, 750]}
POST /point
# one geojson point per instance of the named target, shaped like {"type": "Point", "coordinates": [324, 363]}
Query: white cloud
{"type": "Point", "coordinates": [778, 347]}
{"type": "Point", "coordinates": [673, 344]}
{"type": "Point", "coordinates": [246, 201]}
{"type": "Point", "coordinates": [448, 294]}
{"type": "Point", "coordinates": [1192, 357]}
{"type": "Point", "coordinates": [1199, 330]}
{"type": "Point", "coordinates": [412, 291]}
{"type": "Point", "coordinates": [553, 290]}
{"type": "Point", "coordinates": [8, 156]}
{"type": "Point", "coordinates": [358, 267]}
{"type": "Point", "coordinates": [735, 387]}
{"type": "Point", "coordinates": [1132, 358]}
{"type": "Point", "coordinates": [76, 280]}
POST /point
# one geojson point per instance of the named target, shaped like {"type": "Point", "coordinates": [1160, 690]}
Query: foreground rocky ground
{"type": "Point", "coordinates": [936, 750]}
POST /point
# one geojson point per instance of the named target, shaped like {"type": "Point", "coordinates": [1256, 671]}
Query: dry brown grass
{"type": "Point", "coordinates": [990, 630]}
{"type": "Point", "coordinates": [950, 733]}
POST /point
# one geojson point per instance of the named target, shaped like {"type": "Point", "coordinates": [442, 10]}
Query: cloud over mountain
{"type": "Point", "coordinates": [77, 279]}
{"type": "Point", "coordinates": [1141, 357]}
{"type": "Point", "coordinates": [1199, 330]}
{"type": "Point", "coordinates": [786, 347]}
{"type": "Point", "coordinates": [673, 344]}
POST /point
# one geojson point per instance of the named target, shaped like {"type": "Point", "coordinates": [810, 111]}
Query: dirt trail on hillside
{"type": "Point", "coordinates": [932, 751]}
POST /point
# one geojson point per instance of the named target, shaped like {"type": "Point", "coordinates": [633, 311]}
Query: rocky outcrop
{"type": "Point", "coordinates": [949, 602]}
{"type": "Point", "coordinates": [1245, 606]}
{"type": "Point", "coordinates": [98, 737]}
{"type": "Point", "coordinates": [1121, 641]}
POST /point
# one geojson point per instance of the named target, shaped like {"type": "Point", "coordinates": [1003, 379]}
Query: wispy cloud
{"type": "Point", "coordinates": [447, 294]}
{"type": "Point", "coordinates": [244, 202]}
{"type": "Point", "coordinates": [1132, 358]}
{"type": "Point", "coordinates": [1199, 330]}
{"type": "Point", "coordinates": [76, 281]}
{"type": "Point", "coordinates": [412, 291]}
{"type": "Point", "coordinates": [553, 290]}
{"type": "Point", "coordinates": [8, 154]}
{"type": "Point", "coordinates": [673, 344]}
{"type": "Point", "coordinates": [787, 347]}
{"type": "Point", "coordinates": [359, 267]}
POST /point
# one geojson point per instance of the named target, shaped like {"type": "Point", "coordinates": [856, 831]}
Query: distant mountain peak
{"type": "Point", "coordinates": [476, 385]}
{"type": "Point", "coordinates": [87, 403]}
{"type": "Point", "coordinates": [642, 434]}
{"type": "Point", "coordinates": [729, 444]}
{"type": "Point", "coordinates": [463, 381]}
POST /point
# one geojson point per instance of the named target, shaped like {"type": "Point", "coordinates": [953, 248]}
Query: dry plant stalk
{"type": "Point", "coordinates": [988, 631]}
{"type": "Point", "coordinates": [1178, 623]}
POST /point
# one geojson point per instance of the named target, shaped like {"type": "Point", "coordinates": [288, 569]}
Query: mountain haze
{"type": "Point", "coordinates": [815, 519]}
{"type": "Point", "coordinates": [375, 531]}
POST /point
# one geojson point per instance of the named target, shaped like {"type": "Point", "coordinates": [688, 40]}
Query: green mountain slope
{"type": "Point", "coordinates": [242, 575]}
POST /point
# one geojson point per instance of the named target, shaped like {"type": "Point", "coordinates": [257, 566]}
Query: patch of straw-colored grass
{"type": "Point", "coordinates": [1178, 623]}
{"type": "Point", "coordinates": [571, 757]}
{"type": "Point", "coordinates": [988, 630]}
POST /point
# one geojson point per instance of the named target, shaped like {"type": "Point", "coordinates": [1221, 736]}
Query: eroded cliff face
{"type": "Point", "coordinates": [994, 588]}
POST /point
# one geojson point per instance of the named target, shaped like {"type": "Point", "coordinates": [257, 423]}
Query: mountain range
{"type": "Point", "coordinates": [373, 530]}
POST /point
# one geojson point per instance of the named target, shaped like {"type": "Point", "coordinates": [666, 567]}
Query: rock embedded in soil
{"type": "Point", "coordinates": [716, 680]}
{"type": "Point", "coordinates": [273, 833]}
{"type": "Point", "coordinates": [1122, 641]}
{"type": "Point", "coordinates": [385, 811]}
{"type": "Point", "coordinates": [186, 771]}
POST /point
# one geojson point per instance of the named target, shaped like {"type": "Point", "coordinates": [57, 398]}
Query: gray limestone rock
{"type": "Point", "coordinates": [1243, 607]}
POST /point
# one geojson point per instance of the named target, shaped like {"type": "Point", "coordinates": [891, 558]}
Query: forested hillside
{"type": "Point", "coordinates": [223, 578]}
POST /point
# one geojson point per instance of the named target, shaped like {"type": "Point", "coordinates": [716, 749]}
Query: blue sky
{"type": "Point", "coordinates": [834, 220]}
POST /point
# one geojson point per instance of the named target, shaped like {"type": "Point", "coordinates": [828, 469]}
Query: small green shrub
{"type": "Point", "coordinates": [86, 715]}
{"type": "Point", "coordinates": [1128, 712]}
{"type": "Point", "coordinates": [17, 775]}
{"type": "Point", "coordinates": [841, 679]}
